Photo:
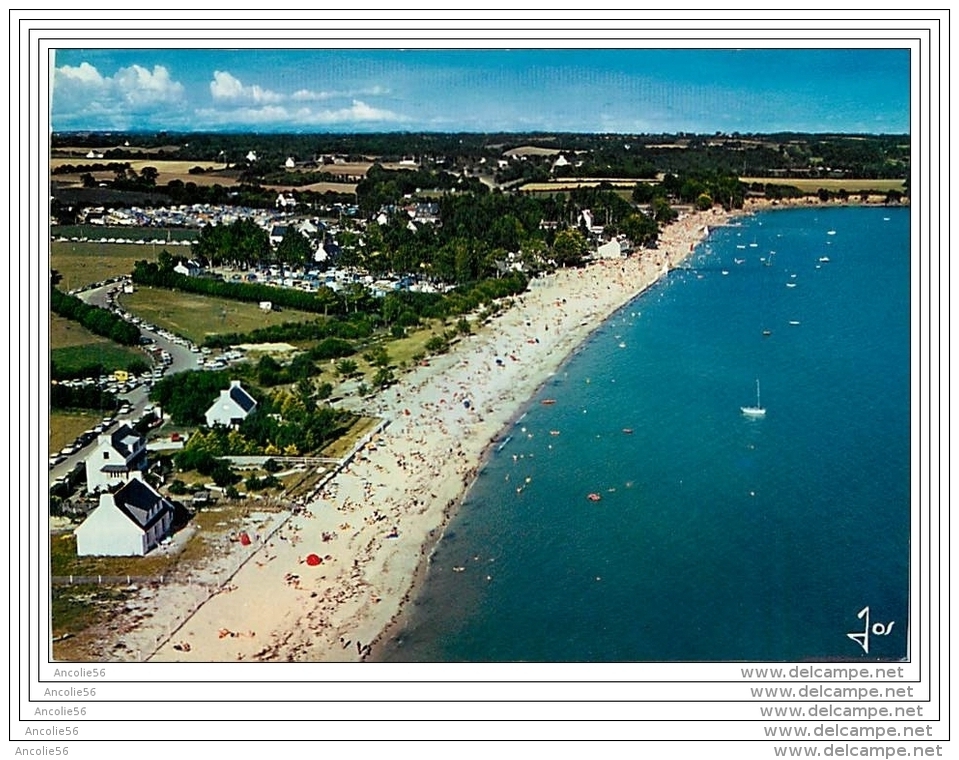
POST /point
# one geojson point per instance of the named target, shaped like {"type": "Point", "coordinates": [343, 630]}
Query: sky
{"type": "Point", "coordinates": [631, 91]}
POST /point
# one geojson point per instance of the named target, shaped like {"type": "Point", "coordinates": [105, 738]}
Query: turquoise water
{"type": "Point", "coordinates": [717, 537]}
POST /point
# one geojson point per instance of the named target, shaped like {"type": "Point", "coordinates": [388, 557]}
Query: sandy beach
{"type": "Point", "coordinates": [373, 523]}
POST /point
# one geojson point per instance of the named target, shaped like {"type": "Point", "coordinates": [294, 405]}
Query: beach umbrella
{"type": "Point", "coordinates": [245, 538]}
{"type": "Point", "coordinates": [313, 559]}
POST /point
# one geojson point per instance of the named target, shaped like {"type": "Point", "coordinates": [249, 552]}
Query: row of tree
{"type": "Point", "coordinates": [149, 273]}
{"type": "Point", "coordinates": [81, 397]}
{"type": "Point", "coordinates": [99, 321]}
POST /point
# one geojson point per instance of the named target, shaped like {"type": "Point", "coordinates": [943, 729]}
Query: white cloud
{"type": "Point", "coordinates": [305, 94]}
{"type": "Point", "coordinates": [225, 86]}
{"type": "Point", "coordinates": [83, 75]}
{"type": "Point", "coordinates": [82, 95]}
{"type": "Point", "coordinates": [141, 86]}
{"type": "Point", "coordinates": [304, 116]}
{"type": "Point", "coordinates": [358, 111]}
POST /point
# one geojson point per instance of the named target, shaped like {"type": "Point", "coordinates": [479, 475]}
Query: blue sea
{"type": "Point", "coordinates": [717, 536]}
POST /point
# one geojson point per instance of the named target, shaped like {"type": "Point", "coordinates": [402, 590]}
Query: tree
{"type": "Point", "coordinates": [294, 248]}
{"type": "Point", "coordinates": [383, 377]}
{"type": "Point", "coordinates": [148, 175]}
{"type": "Point", "coordinates": [346, 367]}
{"type": "Point", "coordinates": [570, 247]}
{"type": "Point", "coordinates": [641, 228]}
{"type": "Point", "coordinates": [663, 213]}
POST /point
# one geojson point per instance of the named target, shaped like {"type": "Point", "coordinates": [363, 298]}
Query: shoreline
{"type": "Point", "coordinates": [376, 522]}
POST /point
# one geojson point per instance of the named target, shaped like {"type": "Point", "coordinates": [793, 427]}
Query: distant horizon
{"type": "Point", "coordinates": [483, 91]}
{"type": "Point", "coordinates": [505, 133]}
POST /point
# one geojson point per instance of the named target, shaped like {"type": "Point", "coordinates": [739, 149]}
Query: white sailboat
{"type": "Point", "coordinates": [754, 411]}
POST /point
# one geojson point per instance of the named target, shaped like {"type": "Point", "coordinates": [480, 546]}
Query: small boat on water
{"type": "Point", "coordinates": [548, 401]}
{"type": "Point", "coordinates": [824, 259]}
{"type": "Point", "coordinates": [790, 284]}
{"type": "Point", "coordinates": [754, 411]}
{"type": "Point", "coordinates": [594, 497]}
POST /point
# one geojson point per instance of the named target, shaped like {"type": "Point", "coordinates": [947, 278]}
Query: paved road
{"type": "Point", "coordinates": [182, 359]}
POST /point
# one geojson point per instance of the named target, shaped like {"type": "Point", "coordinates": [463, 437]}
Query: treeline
{"type": "Point", "coordinates": [78, 168]}
{"type": "Point", "coordinates": [326, 329]}
{"type": "Point", "coordinates": [83, 397]}
{"type": "Point", "coordinates": [150, 274]}
{"type": "Point", "coordinates": [599, 155]}
{"type": "Point", "coordinates": [75, 371]}
{"type": "Point", "coordinates": [96, 320]}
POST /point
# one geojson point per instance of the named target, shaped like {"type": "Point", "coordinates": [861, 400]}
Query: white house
{"type": "Point", "coordinates": [612, 249]}
{"type": "Point", "coordinates": [131, 521]}
{"type": "Point", "coordinates": [188, 268]}
{"type": "Point", "coordinates": [232, 407]}
{"type": "Point", "coordinates": [290, 163]}
{"type": "Point", "coordinates": [118, 457]}
{"type": "Point", "coordinates": [285, 202]}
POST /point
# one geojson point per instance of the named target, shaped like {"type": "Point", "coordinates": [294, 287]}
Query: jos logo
{"type": "Point", "coordinates": [876, 629]}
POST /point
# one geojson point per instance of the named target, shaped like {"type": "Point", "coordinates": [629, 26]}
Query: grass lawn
{"type": "Point", "coordinates": [83, 263]}
{"type": "Point", "coordinates": [197, 316]}
{"type": "Point", "coordinates": [66, 426]}
{"type": "Point", "coordinates": [72, 345]}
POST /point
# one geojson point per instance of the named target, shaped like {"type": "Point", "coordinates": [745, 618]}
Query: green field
{"type": "Point", "coordinates": [109, 355]}
{"type": "Point", "coordinates": [73, 346]}
{"type": "Point", "coordinates": [197, 316]}
{"type": "Point", "coordinates": [81, 264]}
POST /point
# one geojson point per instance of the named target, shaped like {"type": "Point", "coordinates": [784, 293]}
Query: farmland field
{"type": "Point", "coordinates": [317, 187]}
{"type": "Point", "coordinates": [571, 184]}
{"type": "Point", "coordinates": [197, 316]}
{"type": "Point", "coordinates": [834, 185]}
{"type": "Point", "coordinates": [163, 166]}
{"type": "Point", "coordinates": [83, 263]}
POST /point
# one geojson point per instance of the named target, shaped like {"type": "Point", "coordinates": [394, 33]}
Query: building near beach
{"type": "Point", "coordinates": [130, 522]}
{"type": "Point", "coordinates": [231, 408]}
{"type": "Point", "coordinates": [118, 456]}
